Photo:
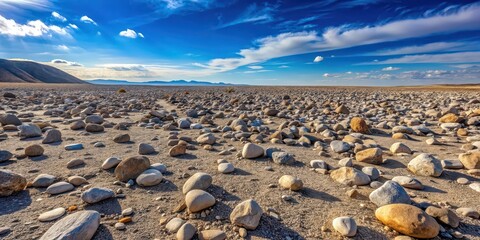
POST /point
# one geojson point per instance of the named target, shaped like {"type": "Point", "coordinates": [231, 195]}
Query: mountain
{"type": "Point", "coordinates": [156, 83]}
{"type": "Point", "coordinates": [33, 72]}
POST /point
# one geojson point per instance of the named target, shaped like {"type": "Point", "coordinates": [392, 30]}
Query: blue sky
{"type": "Point", "coordinates": [352, 42]}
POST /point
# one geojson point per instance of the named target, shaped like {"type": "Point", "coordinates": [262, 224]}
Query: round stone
{"type": "Point", "coordinates": [197, 200]}
{"type": "Point", "coordinates": [290, 182]}
{"type": "Point", "coordinates": [51, 215]}
{"type": "Point", "coordinates": [345, 226]}
{"type": "Point", "coordinates": [225, 168]}
{"type": "Point", "coordinates": [149, 177]}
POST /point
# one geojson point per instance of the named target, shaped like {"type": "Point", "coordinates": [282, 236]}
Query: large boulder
{"type": "Point", "coordinates": [425, 165]}
{"type": "Point", "coordinates": [247, 214]}
{"type": "Point", "coordinates": [11, 182]}
{"type": "Point", "coordinates": [131, 167]}
{"type": "Point", "coordinates": [81, 225]}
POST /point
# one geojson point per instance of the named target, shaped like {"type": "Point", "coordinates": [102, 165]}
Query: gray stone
{"type": "Point", "coordinates": [52, 136]}
{"type": "Point", "coordinates": [390, 192]}
{"type": "Point", "coordinates": [59, 187]}
{"type": "Point", "coordinates": [283, 158]}
{"type": "Point", "coordinates": [10, 119]}
{"type": "Point", "coordinates": [111, 162]}
{"type": "Point", "coordinates": [425, 165]}
{"type": "Point", "coordinates": [51, 215]}
{"type": "Point", "coordinates": [43, 180]}
{"type": "Point", "coordinates": [94, 195]}
{"type": "Point", "coordinates": [198, 180]}
{"type": "Point", "coordinates": [81, 225]}
{"type": "Point", "coordinates": [149, 177]}
{"type": "Point", "coordinates": [345, 226]}
{"type": "Point", "coordinates": [408, 182]}
{"type": "Point", "coordinates": [29, 130]}
{"type": "Point", "coordinates": [5, 155]}
{"type": "Point", "coordinates": [372, 172]}
{"type": "Point", "coordinates": [145, 149]}
{"type": "Point", "coordinates": [339, 146]}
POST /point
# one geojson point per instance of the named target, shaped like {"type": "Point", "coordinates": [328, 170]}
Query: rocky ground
{"type": "Point", "coordinates": [93, 162]}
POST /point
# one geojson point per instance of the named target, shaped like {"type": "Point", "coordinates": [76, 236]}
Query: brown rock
{"type": "Point", "coordinates": [359, 125]}
{"type": "Point", "coordinates": [131, 168]}
{"type": "Point", "coordinates": [212, 235]}
{"type": "Point", "coordinates": [370, 155]}
{"type": "Point", "coordinates": [444, 215]}
{"type": "Point", "coordinates": [470, 160]}
{"type": "Point", "coordinates": [11, 182]}
{"type": "Point", "coordinates": [177, 150]}
{"type": "Point", "coordinates": [449, 118]}
{"type": "Point", "coordinates": [34, 150]}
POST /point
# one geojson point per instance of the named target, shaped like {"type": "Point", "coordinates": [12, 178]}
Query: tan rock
{"type": "Point", "coordinates": [212, 235]}
{"type": "Point", "coordinates": [350, 176]}
{"type": "Point", "coordinates": [131, 168]}
{"type": "Point", "coordinates": [359, 125]}
{"type": "Point", "coordinates": [470, 160]}
{"type": "Point", "coordinates": [290, 182]}
{"type": "Point", "coordinates": [370, 155]}
{"type": "Point", "coordinates": [247, 214]}
{"type": "Point", "coordinates": [177, 150]}
{"type": "Point", "coordinates": [197, 200]}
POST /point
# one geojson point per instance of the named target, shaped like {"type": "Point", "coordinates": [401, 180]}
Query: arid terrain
{"type": "Point", "coordinates": [244, 140]}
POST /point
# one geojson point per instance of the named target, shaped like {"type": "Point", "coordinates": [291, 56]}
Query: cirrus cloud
{"type": "Point", "coordinates": [129, 33]}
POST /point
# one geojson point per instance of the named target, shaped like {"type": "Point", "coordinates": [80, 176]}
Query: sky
{"type": "Point", "coordinates": [281, 42]}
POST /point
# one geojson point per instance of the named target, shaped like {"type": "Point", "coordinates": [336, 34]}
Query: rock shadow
{"type": "Point", "coordinates": [273, 228]}
{"type": "Point", "coordinates": [393, 164]}
{"type": "Point", "coordinates": [107, 206]}
{"type": "Point", "coordinates": [15, 202]}
{"type": "Point", "coordinates": [102, 233]}
{"type": "Point", "coordinates": [454, 175]}
{"type": "Point", "coordinates": [312, 193]}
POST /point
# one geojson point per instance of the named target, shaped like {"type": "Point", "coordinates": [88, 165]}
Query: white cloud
{"type": "Point", "coordinates": [429, 47]}
{"type": "Point", "coordinates": [129, 33]}
{"type": "Point", "coordinates": [255, 67]}
{"type": "Point", "coordinates": [318, 59]}
{"type": "Point", "coordinates": [459, 57]}
{"type": "Point", "coordinates": [65, 62]}
{"type": "Point", "coordinates": [390, 68]}
{"type": "Point", "coordinates": [32, 29]}
{"type": "Point", "coordinates": [71, 25]}
{"type": "Point", "coordinates": [86, 19]}
{"type": "Point", "coordinates": [253, 14]}
{"type": "Point", "coordinates": [283, 66]}
{"type": "Point", "coordinates": [63, 48]}
{"type": "Point", "coordinates": [19, 5]}
{"type": "Point", "coordinates": [59, 17]}
{"type": "Point", "coordinates": [257, 71]}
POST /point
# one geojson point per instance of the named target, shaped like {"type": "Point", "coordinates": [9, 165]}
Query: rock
{"type": "Point", "coordinates": [350, 176]}
{"type": "Point", "coordinates": [10, 119]}
{"type": "Point", "coordinates": [408, 182]}
{"type": "Point", "coordinates": [149, 177]}
{"type": "Point", "coordinates": [145, 149]}
{"type": "Point", "coordinates": [408, 220]}
{"type": "Point", "coordinates": [94, 128]}
{"type": "Point", "coordinates": [470, 160]}
{"type": "Point", "coordinates": [226, 168]}
{"type": "Point", "coordinates": [43, 180]}
{"type": "Point", "coordinates": [342, 109]}
{"type": "Point", "coordinates": [290, 182]}
{"type": "Point", "coordinates": [174, 224]}
{"type": "Point", "coordinates": [207, 138]}
{"type": "Point", "coordinates": [247, 214]}
{"type": "Point", "coordinates": [131, 168]}
{"type": "Point", "coordinates": [444, 215]}
{"type": "Point", "coordinates": [198, 200]}
{"type": "Point", "coordinates": [449, 118]}
{"type": "Point", "coordinates": [475, 186]}
{"type": "Point", "coordinates": [29, 130]}
{"type": "Point", "coordinates": [345, 162]}
{"type": "Point", "coordinates": [251, 151]}
{"type": "Point", "coordinates": [186, 232]}
{"type": "Point", "coordinates": [127, 212]}
{"type": "Point", "coordinates": [390, 192]}
{"type": "Point", "coordinates": [77, 125]}
{"type": "Point", "coordinates": [399, 147]}
{"type": "Point", "coordinates": [94, 195]}
{"type": "Point", "coordinates": [198, 180]}
{"type": "Point", "coordinates": [339, 146]}
{"type": "Point", "coordinates": [372, 172]}
{"type": "Point", "coordinates": [77, 180]}
{"type": "Point", "coordinates": [359, 125]}
{"type": "Point", "coordinates": [52, 136]}
{"type": "Point", "coordinates": [75, 146]}
{"type": "Point", "coordinates": [345, 226]}
{"type": "Point", "coordinates": [122, 138]}
{"type": "Point", "coordinates": [425, 165]}
{"type": "Point", "coordinates": [283, 158]}
{"type": "Point", "coordinates": [160, 167]}
{"type": "Point", "coordinates": [34, 150]}
{"type": "Point", "coordinates": [110, 163]}
{"type": "Point", "coordinates": [79, 225]}
{"type": "Point", "coordinates": [11, 182]}
{"type": "Point", "coordinates": [5, 155]}
{"type": "Point", "coordinates": [75, 163]}
{"type": "Point", "coordinates": [318, 164]}
{"type": "Point", "coordinates": [433, 141]}
{"type": "Point", "coordinates": [177, 150]}
{"type": "Point", "coordinates": [59, 187]}
{"type": "Point", "coordinates": [212, 235]}
{"type": "Point", "coordinates": [452, 164]}
{"type": "Point", "coordinates": [468, 212]}
{"type": "Point", "coordinates": [371, 155]}
{"type": "Point", "coordinates": [51, 215]}
{"type": "Point", "coordinates": [120, 226]}
{"type": "Point", "coordinates": [94, 119]}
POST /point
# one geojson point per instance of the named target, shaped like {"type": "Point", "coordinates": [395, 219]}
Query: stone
{"type": "Point", "coordinates": [444, 215]}
{"type": "Point", "coordinates": [318, 164]}
{"type": "Point", "coordinates": [29, 130]}
{"type": "Point", "coordinates": [111, 162]}
{"type": "Point", "coordinates": [350, 176]}
{"type": "Point", "coordinates": [470, 160]}
{"type": "Point", "coordinates": [149, 177]}
{"type": "Point", "coordinates": [59, 187]}
{"type": "Point", "coordinates": [372, 172]}
{"type": "Point", "coordinates": [370, 155]}
{"type": "Point", "coordinates": [186, 232]}
{"type": "Point", "coordinates": [177, 150]}
{"type": "Point", "coordinates": [11, 182]}
{"type": "Point", "coordinates": [75, 163]}
{"type": "Point", "coordinates": [81, 225]}
{"type": "Point", "coordinates": [96, 194]}
{"type": "Point", "coordinates": [160, 167]}
{"type": "Point", "coordinates": [5, 230]}
{"type": "Point", "coordinates": [122, 138]}
{"type": "Point", "coordinates": [75, 146]}
{"type": "Point", "coordinates": [468, 212]}
{"type": "Point", "coordinates": [290, 182]}
{"type": "Point", "coordinates": [198, 200]}
{"type": "Point", "coordinates": [425, 165]}
{"type": "Point", "coordinates": [120, 226]}
{"type": "Point", "coordinates": [251, 151]}
{"type": "Point", "coordinates": [94, 128]}
{"type": "Point", "coordinates": [77, 180]}
{"type": "Point", "coordinates": [131, 168]}
{"type": "Point", "coordinates": [452, 164]}
{"type": "Point", "coordinates": [390, 192]}
{"type": "Point", "coordinates": [408, 220]}
{"type": "Point", "coordinates": [207, 138]}
{"type": "Point", "coordinates": [345, 162]}
{"type": "Point", "coordinates": [212, 235]}
{"type": "Point", "coordinates": [339, 146]}
{"type": "Point", "coordinates": [34, 150]}
{"type": "Point", "coordinates": [246, 214]}
{"type": "Point", "coordinates": [127, 212]}
{"type": "Point", "coordinates": [408, 182]}
{"type": "Point", "coordinates": [225, 168]}
{"type": "Point", "coordinates": [346, 226]}
{"type": "Point", "coordinates": [283, 158]}
{"type": "Point", "coordinates": [398, 148]}
{"type": "Point", "coordinates": [52, 136]}
{"type": "Point", "coordinates": [449, 118]}
{"type": "Point", "coordinates": [359, 125]}
{"type": "Point", "coordinates": [475, 186]}
{"type": "Point", "coordinates": [52, 215]}
{"type": "Point", "coordinates": [10, 119]}
{"type": "Point", "coordinates": [145, 149]}
{"type": "Point", "coordinates": [174, 224]}
{"type": "Point", "coordinates": [5, 155]}
{"type": "Point", "coordinates": [198, 180]}
{"type": "Point", "coordinates": [97, 119]}
{"type": "Point", "coordinates": [77, 125]}
{"type": "Point", "coordinates": [43, 180]}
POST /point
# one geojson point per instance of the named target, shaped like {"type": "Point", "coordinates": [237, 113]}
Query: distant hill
{"type": "Point", "coordinates": [33, 72]}
{"type": "Point", "coordinates": [157, 83]}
